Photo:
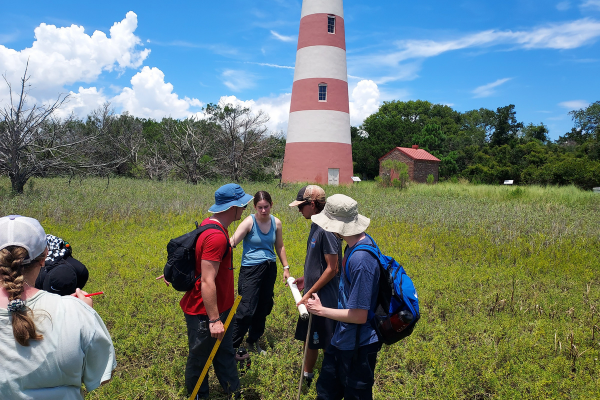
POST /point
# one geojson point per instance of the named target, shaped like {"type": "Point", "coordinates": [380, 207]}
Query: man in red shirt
{"type": "Point", "coordinates": [207, 305]}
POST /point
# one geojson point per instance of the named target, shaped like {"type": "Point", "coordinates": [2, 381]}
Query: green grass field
{"type": "Point", "coordinates": [508, 279]}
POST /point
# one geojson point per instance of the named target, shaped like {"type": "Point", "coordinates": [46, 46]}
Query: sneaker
{"type": "Point", "coordinates": [308, 381]}
{"type": "Point", "coordinates": [243, 360]}
{"type": "Point", "coordinates": [255, 348]}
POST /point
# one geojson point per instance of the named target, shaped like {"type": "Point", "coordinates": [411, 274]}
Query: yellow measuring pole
{"type": "Point", "coordinates": [215, 348]}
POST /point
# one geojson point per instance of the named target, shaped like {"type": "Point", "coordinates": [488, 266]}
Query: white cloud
{"type": "Point", "coordinates": [151, 97]}
{"type": "Point", "coordinates": [591, 4]}
{"type": "Point", "coordinates": [364, 101]}
{"type": "Point", "coordinates": [283, 38]}
{"type": "Point", "coordinates": [271, 65]}
{"type": "Point", "coordinates": [62, 56]}
{"type": "Point", "coordinates": [488, 90]}
{"type": "Point", "coordinates": [563, 5]}
{"type": "Point", "coordinates": [82, 103]}
{"type": "Point", "coordinates": [238, 80]}
{"type": "Point", "coordinates": [574, 104]}
{"type": "Point", "coordinates": [556, 36]}
{"type": "Point", "coordinates": [568, 35]}
{"type": "Point", "coordinates": [277, 108]}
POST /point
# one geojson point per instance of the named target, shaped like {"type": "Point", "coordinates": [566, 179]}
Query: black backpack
{"type": "Point", "coordinates": [180, 269]}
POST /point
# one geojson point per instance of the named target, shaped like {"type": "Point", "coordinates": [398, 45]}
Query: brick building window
{"type": "Point", "coordinates": [331, 23]}
{"type": "Point", "coordinates": [322, 92]}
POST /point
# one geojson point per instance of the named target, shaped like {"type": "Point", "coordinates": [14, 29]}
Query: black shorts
{"type": "Point", "coordinates": [321, 331]}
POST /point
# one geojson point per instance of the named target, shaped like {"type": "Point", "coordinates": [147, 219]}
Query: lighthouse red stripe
{"type": "Point", "coordinates": [309, 162]}
{"type": "Point", "coordinates": [313, 32]}
{"type": "Point", "coordinates": [305, 95]}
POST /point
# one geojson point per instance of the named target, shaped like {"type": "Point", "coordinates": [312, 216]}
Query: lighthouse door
{"type": "Point", "coordinates": [333, 176]}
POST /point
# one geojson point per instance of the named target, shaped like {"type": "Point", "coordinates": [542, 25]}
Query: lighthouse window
{"type": "Point", "coordinates": [331, 24]}
{"type": "Point", "coordinates": [323, 92]}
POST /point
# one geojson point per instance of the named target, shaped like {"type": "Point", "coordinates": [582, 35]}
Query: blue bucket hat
{"type": "Point", "coordinates": [230, 195]}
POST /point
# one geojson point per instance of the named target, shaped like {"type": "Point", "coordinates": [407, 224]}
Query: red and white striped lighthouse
{"type": "Point", "coordinates": [318, 148]}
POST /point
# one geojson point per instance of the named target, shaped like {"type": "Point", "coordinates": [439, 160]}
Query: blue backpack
{"type": "Point", "coordinates": [397, 309]}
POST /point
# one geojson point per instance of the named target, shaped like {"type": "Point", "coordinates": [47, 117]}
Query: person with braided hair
{"type": "Point", "coordinates": [49, 344]}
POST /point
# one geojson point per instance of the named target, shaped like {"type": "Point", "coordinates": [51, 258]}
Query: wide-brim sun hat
{"type": "Point", "coordinates": [230, 195]}
{"type": "Point", "coordinates": [16, 230]}
{"type": "Point", "coordinates": [341, 216]}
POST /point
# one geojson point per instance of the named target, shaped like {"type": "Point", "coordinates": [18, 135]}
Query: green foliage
{"type": "Point", "coordinates": [396, 124]}
{"type": "Point", "coordinates": [507, 279]}
{"type": "Point", "coordinates": [396, 174]}
{"type": "Point", "coordinates": [535, 132]}
{"type": "Point", "coordinates": [506, 127]}
{"type": "Point", "coordinates": [430, 179]}
{"type": "Point", "coordinates": [482, 145]}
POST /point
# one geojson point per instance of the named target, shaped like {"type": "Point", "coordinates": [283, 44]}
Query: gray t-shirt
{"type": "Point", "coordinates": [76, 348]}
{"type": "Point", "coordinates": [321, 242]}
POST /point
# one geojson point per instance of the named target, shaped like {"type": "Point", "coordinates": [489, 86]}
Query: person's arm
{"type": "Point", "coordinates": [352, 316]}
{"type": "Point", "coordinates": [80, 294]}
{"type": "Point", "coordinates": [241, 231]}
{"type": "Point", "coordinates": [280, 249]}
{"type": "Point", "coordinates": [209, 296]}
{"type": "Point", "coordinates": [327, 275]}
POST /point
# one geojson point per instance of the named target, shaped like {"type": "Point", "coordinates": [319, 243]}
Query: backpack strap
{"type": "Point", "coordinates": [217, 227]}
{"type": "Point", "coordinates": [371, 248]}
{"type": "Point", "coordinates": [374, 250]}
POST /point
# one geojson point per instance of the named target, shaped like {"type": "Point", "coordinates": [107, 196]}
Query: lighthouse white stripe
{"type": "Point", "coordinates": [319, 126]}
{"type": "Point", "coordinates": [335, 7]}
{"type": "Point", "coordinates": [321, 62]}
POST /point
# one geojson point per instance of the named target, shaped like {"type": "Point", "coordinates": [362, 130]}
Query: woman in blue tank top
{"type": "Point", "coordinates": [261, 233]}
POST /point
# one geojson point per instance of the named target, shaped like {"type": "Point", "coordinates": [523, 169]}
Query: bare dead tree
{"type": "Point", "coordinates": [31, 141]}
{"type": "Point", "coordinates": [113, 142]}
{"type": "Point", "coordinates": [241, 139]}
{"type": "Point", "coordinates": [155, 164]}
{"type": "Point", "coordinates": [189, 144]}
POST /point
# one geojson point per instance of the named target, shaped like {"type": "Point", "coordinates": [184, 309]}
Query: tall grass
{"type": "Point", "coordinates": [508, 279]}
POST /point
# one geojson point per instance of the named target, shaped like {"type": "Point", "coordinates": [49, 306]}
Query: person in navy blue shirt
{"type": "Point", "coordinates": [348, 367]}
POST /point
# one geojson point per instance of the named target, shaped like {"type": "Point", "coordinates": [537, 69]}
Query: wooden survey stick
{"type": "Point", "coordinates": [236, 303]}
{"type": "Point", "coordinates": [304, 358]}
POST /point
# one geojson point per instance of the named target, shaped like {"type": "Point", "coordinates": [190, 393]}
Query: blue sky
{"type": "Point", "coordinates": [155, 59]}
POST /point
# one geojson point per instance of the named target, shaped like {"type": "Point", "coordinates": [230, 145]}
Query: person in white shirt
{"type": "Point", "coordinates": [49, 345]}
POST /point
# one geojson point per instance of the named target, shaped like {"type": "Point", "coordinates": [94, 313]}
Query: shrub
{"type": "Point", "coordinates": [395, 171]}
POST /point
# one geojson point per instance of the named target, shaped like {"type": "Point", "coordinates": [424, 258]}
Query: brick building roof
{"type": "Point", "coordinates": [415, 153]}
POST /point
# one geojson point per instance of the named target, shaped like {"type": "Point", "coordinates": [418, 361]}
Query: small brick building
{"type": "Point", "coordinates": [420, 163]}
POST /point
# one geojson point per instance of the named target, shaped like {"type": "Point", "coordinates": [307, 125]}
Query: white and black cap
{"type": "Point", "coordinates": [16, 230]}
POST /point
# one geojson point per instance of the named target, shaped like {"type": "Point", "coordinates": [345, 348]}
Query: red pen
{"type": "Point", "coordinates": [93, 294]}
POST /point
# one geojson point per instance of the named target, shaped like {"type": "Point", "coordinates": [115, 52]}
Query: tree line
{"type": "Point", "coordinates": [230, 142]}
{"type": "Point", "coordinates": [483, 145]}
{"type": "Point", "coordinates": [234, 143]}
